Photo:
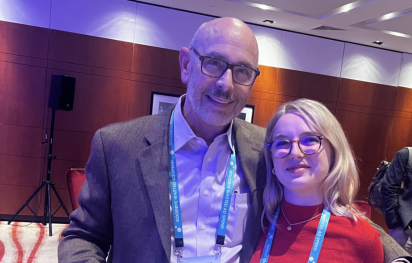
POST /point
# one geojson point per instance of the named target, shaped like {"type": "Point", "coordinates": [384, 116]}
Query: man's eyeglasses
{"type": "Point", "coordinates": [308, 145]}
{"type": "Point", "coordinates": [215, 67]}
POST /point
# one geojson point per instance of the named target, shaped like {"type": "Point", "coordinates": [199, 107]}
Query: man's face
{"type": "Point", "coordinates": [217, 101]}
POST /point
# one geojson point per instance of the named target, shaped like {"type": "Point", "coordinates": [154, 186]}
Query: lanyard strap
{"type": "Point", "coordinates": [317, 243]}
{"type": "Point", "coordinates": [175, 197]}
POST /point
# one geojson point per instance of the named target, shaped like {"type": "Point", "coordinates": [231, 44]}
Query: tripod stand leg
{"type": "Point", "coordinates": [60, 200]}
{"type": "Point", "coordinates": [46, 198]}
{"type": "Point", "coordinates": [49, 209]}
{"type": "Point", "coordinates": [26, 203]}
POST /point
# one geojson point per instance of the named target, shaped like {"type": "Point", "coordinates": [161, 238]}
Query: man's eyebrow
{"type": "Point", "coordinates": [219, 56]}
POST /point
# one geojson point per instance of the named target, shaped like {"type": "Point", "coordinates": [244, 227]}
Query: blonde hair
{"type": "Point", "coordinates": [342, 182]}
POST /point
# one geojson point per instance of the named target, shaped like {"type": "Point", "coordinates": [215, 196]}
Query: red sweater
{"type": "Point", "coordinates": [345, 240]}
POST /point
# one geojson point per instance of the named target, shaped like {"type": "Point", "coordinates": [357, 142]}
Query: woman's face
{"type": "Point", "coordinates": [300, 174]}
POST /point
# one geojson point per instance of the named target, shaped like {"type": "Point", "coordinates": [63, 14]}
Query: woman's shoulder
{"type": "Point", "coordinates": [359, 228]}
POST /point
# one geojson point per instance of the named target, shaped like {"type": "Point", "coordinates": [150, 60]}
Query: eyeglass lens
{"type": "Point", "coordinates": [308, 145]}
{"type": "Point", "coordinates": [216, 68]}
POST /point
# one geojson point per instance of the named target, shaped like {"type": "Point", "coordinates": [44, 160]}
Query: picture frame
{"type": "Point", "coordinates": [247, 113]}
{"type": "Point", "coordinates": [162, 101]}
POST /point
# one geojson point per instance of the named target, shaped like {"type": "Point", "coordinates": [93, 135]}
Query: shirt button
{"type": "Point", "coordinates": [203, 227]}
{"type": "Point", "coordinates": [205, 192]}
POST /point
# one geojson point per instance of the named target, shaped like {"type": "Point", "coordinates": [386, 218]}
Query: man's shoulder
{"type": "Point", "coordinates": [138, 126]}
{"type": "Point", "coordinates": [257, 131]}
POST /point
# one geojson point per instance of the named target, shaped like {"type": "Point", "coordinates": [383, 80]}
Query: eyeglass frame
{"type": "Point", "coordinates": [320, 137]}
{"type": "Point", "coordinates": [228, 66]}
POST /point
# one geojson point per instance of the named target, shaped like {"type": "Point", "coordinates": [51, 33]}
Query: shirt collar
{"type": "Point", "coordinates": [183, 132]}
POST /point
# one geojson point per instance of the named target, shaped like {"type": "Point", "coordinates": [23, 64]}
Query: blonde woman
{"type": "Point", "coordinates": [312, 181]}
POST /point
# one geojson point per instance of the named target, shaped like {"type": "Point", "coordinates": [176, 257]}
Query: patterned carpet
{"type": "Point", "coordinates": [28, 242]}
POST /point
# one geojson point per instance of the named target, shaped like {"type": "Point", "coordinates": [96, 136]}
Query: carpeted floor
{"type": "Point", "coordinates": [28, 242]}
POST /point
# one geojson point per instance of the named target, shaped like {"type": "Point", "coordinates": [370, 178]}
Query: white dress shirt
{"type": "Point", "coordinates": [201, 179]}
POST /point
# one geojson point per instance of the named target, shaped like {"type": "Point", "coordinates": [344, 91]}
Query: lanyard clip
{"type": "Point", "coordinates": [179, 252]}
{"type": "Point", "coordinates": [217, 250]}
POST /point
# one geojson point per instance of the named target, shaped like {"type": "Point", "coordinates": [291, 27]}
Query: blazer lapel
{"type": "Point", "coordinates": [250, 153]}
{"type": "Point", "coordinates": [153, 161]}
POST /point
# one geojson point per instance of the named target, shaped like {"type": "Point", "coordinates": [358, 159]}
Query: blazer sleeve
{"type": "Point", "coordinates": [391, 249]}
{"type": "Point", "coordinates": [90, 234]}
{"type": "Point", "coordinates": [391, 185]}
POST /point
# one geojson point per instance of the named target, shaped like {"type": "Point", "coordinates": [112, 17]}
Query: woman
{"type": "Point", "coordinates": [312, 181]}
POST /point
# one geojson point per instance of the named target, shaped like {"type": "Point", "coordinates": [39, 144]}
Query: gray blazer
{"type": "Point", "coordinates": [125, 201]}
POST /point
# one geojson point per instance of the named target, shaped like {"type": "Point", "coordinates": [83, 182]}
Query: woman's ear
{"type": "Point", "coordinates": [184, 59]}
{"type": "Point", "coordinates": [273, 171]}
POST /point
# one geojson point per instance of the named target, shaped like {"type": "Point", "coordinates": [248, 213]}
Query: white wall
{"type": "Point", "coordinates": [166, 28]}
{"type": "Point", "coordinates": [405, 79]}
{"type": "Point", "coordinates": [311, 54]}
{"type": "Point", "coordinates": [371, 64]}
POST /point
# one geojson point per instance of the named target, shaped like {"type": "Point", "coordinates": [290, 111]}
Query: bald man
{"type": "Point", "coordinates": [185, 185]}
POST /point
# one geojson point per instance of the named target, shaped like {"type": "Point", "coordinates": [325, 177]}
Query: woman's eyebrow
{"type": "Point", "coordinates": [300, 136]}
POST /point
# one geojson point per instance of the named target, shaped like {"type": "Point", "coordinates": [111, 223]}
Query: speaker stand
{"type": "Point", "coordinates": [47, 184]}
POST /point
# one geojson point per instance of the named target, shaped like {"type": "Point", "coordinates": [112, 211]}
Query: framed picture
{"type": "Point", "coordinates": [247, 113]}
{"type": "Point", "coordinates": [162, 101]}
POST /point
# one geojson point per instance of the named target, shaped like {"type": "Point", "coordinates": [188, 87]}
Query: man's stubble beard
{"type": "Point", "coordinates": [212, 117]}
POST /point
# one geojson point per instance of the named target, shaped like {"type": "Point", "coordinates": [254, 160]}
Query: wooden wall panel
{"type": "Point", "coordinates": [367, 110]}
{"type": "Point", "coordinates": [98, 102]}
{"type": "Point", "coordinates": [307, 85]}
{"type": "Point", "coordinates": [266, 81]}
{"type": "Point", "coordinates": [91, 51]}
{"type": "Point", "coordinates": [140, 97]}
{"type": "Point", "coordinates": [23, 40]}
{"type": "Point", "coordinates": [28, 61]}
{"type": "Point", "coordinates": [367, 94]}
{"type": "Point", "coordinates": [366, 173]}
{"type": "Point", "coordinates": [156, 61]}
{"type": "Point", "coordinates": [13, 197]}
{"type": "Point", "coordinates": [368, 134]}
{"type": "Point", "coordinates": [263, 111]}
{"type": "Point", "coordinates": [20, 140]}
{"type": "Point", "coordinates": [22, 92]}
{"type": "Point", "coordinates": [18, 170]}
{"type": "Point", "coordinates": [404, 99]}
{"type": "Point", "coordinates": [401, 136]}
{"type": "Point", "coordinates": [158, 80]}
{"type": "Point", "coordinates": [73, 146]}
{"type": "Point", "coordinates": [70, 67]}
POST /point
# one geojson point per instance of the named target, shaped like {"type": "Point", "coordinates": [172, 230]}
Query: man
{"type": "Point", "coordinates": [397, 201]}
{"type": "Point", "coordinates": [198, 158]}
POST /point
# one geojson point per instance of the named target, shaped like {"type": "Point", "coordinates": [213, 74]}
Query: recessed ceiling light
{"type": "Point", "coordinates": [377, 42]}
{"type": "Point", "coordinates": [269, 21]}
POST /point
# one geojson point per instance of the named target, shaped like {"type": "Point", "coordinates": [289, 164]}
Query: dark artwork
{"type": "Point", "coordinates": [164, 106]}
{"type": "Point", "coordinates": [242, 116]}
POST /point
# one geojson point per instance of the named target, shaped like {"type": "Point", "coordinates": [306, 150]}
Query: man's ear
{"type": "Point", "coordinates": [184, 58]}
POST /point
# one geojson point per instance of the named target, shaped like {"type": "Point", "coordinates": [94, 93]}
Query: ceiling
{"type": "Point", "coordinates": [363, 21]}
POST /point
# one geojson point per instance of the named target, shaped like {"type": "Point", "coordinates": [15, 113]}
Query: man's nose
{"type": "Point", "coordinates": [225, 82]}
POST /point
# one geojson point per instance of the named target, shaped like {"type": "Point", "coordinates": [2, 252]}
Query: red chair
{"type": "Point", "coordinates": [75, 179]}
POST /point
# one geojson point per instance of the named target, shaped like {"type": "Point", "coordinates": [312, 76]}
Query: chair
{"type": "Point", "coordinates": [75, 179]}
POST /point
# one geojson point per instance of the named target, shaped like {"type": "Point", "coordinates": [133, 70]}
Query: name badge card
{"type": "Point", "coordinates": [204, 259]}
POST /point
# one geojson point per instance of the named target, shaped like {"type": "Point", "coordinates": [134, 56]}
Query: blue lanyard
{"type": "Point", "coordinates": [317, 243]}
{"type": "Point", "coordinates": [175, 198]}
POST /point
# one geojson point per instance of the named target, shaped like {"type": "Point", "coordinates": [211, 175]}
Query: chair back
{"type": "Point", "coordinates": [75, 179]}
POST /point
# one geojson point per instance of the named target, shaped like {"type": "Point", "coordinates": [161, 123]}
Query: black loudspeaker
{"type": "Point", "coordinates": [62, 92]}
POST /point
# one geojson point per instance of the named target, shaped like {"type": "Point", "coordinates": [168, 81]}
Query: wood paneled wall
{"type": "Point", "coordinates": [114, 83]}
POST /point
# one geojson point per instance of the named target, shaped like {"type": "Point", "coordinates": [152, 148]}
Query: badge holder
{"type": "Point", "coordinates": [205, 259]}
